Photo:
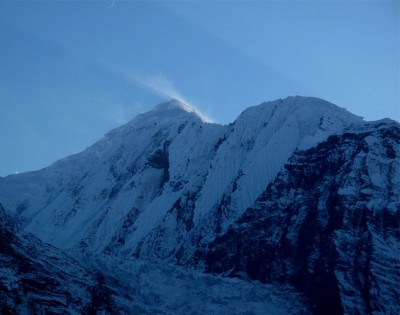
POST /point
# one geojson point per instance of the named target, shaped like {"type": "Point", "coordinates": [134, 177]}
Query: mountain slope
{"type": "Point", "coordinates": [36, 278]}
{"type": "Point", "coordinates": [328, 224]}
{"type": "Point", "coordinates": [123, 195]}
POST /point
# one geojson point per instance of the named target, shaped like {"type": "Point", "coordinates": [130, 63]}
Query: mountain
{"type": "Point", "coordinates": [328, 224]}
{"type": "Point", "coordinates": [295, 192]}
{"type": "Point", "coordinates": [37, 278]}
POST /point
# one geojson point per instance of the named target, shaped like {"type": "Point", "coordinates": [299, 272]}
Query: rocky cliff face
{"type": "Point", "coordinates": [328, 224]}
{"type": "Point", "coordinates": [295, 191]}
{"type": "Point", "coordinates": [36, 278]}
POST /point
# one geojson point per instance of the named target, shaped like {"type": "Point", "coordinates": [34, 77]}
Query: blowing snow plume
{"type": "Point", "coordinates": [163, 86]}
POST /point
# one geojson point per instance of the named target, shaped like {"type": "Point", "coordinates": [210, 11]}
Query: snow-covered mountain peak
{"type": "Point", "coordinates": [171, 111]}
{"type": "Point", "coordinates": [174, 104]}
{"type": "Point", "coordinates": [312, 107]}
{"type": "Point", "coordinates": [312, 119]}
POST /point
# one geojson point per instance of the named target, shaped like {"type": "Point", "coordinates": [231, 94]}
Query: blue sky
{"type": "Point", "coordinates": [72, 70]}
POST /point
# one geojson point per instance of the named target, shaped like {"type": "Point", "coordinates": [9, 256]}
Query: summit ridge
{"type": "Point", "coordinates": [174, 104]}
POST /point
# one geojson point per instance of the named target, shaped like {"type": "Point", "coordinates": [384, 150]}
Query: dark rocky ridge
{"type": "Point", "coordinates": [36, 278]}
{"type": "Point", "coordinates": [309, 229]}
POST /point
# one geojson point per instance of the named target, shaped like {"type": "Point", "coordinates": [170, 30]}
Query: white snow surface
{"type": "Point", "coordinates": [168, 289]}
{"type": "Point", "coordinates": [120, 193]}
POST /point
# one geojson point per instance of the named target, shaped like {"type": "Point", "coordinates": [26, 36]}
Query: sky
{"type": "Point", "coordinates": [70, 71]}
